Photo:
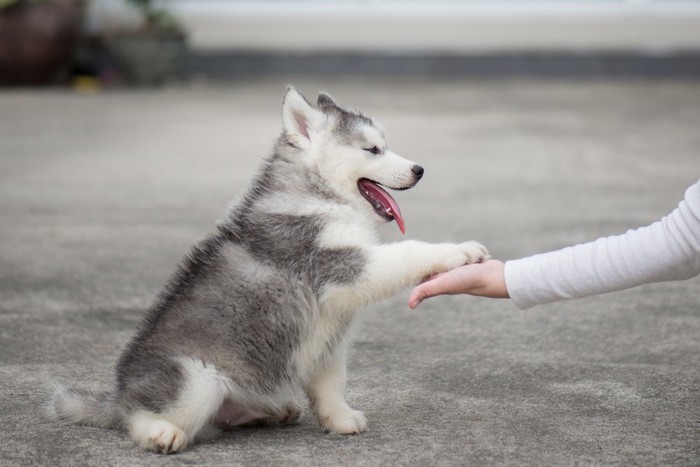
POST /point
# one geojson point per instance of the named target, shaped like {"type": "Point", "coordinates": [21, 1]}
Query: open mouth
{"type": "Point", "coordinates": [382, 202]}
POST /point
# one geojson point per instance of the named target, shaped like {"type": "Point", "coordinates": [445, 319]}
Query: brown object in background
{"type": "Point", "coordinates": [37, 41]}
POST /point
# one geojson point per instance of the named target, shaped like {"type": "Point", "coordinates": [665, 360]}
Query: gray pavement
{"type": "Point", "coordinates": [101, 195]}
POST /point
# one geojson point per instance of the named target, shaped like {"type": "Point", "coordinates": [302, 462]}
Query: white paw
{"type": "Point", "coordinates": [166, 438]}
{"type": "Point", "coordinates": [455, 255]}
{"type": "Point", "coordinates": [344, 421]}
{"type": "Point", "coordinates": [474, 252]}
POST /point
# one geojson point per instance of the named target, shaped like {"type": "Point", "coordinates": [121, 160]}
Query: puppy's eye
{"type": "Point", "coordinates": [373, 150]}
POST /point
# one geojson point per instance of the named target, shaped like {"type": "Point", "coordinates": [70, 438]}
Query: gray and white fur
{"type": "Point", "coordinates": [260, 310]}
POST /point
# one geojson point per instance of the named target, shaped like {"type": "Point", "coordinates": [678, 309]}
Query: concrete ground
{"type": "Point", "coordinates": [101, 195]}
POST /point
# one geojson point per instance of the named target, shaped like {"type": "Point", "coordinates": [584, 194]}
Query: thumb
{"type": "Point", "coordinates": [425, 290]}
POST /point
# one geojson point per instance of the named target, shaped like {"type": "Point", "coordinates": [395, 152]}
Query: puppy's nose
{"type": "Point", "coordinates": [418, 171]}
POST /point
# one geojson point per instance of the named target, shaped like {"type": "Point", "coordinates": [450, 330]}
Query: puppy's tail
{"type": "Point", "coordinates": [84, 407]}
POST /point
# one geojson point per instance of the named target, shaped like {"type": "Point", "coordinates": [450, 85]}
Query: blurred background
{"type": "Point", "coordinates": [151, 41]}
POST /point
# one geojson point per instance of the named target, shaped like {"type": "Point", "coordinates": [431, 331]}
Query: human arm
{"type": "Point", "coordinates": [666, 250]}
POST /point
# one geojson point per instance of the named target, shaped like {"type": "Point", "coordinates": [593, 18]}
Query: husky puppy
{"type": "Point", "coordinates": [260, 310]}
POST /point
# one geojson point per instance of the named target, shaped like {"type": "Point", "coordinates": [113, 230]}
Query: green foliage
{"type": "Point", "coordinates": [156, 17]}
{"type": "Point", "coordinates": [6, 3]}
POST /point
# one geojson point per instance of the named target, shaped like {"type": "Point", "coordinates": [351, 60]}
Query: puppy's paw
{"type": "Point", "coordinates": [165, 438]}
{"type": "Point", "coordinates": [344, 422]}
{"type": "Point", "coordinates": [474, 252]}
{"type": "Point", "coordinates": [291, 415]}
{"type": "Point", "coordinates": [452, 255]}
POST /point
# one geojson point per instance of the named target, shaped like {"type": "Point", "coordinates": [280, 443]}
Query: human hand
{"type": "Point", "coordinates": [482, 279]}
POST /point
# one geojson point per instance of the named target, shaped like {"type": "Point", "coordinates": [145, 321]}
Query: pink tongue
{"type": "Point", "coordinates": [388, 202]}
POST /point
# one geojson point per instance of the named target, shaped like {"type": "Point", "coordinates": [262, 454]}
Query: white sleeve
{"type": "Point", "coordinates": [666, 250]}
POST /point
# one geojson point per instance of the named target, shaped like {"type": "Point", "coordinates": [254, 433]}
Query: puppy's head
{"type": "Point", "coordinates": [348, 150]}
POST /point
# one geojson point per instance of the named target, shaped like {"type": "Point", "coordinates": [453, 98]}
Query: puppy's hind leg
{"type": "Point", "coordinates": [186, 418]}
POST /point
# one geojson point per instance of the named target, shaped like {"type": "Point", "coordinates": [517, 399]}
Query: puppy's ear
{"type": "Point", "coordinates": [324, 100]}
{"type": "Point", "coordinates": [299, 117]}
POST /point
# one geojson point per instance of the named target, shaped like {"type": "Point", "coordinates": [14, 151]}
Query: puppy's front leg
{"type": "Point", "coordinates": [326, 392]}
{"type": "Point", "coordinates": [396, 266]}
